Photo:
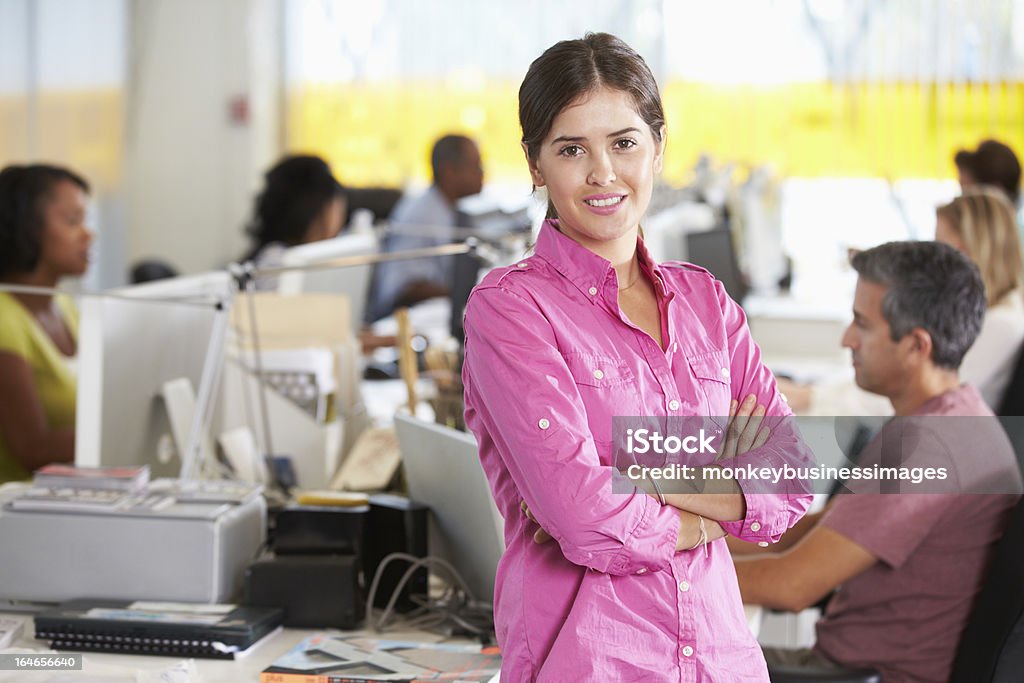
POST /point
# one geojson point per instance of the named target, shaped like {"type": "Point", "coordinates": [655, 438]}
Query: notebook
{"type": "Point", "coordinates": [155, 628]}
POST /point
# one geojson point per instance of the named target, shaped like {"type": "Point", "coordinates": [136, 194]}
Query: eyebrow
{"type": "Point", "coordinates": [581, 138]}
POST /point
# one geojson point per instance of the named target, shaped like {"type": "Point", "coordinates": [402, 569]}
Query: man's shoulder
{"type": "Point", "coordinates": [963, 401]}
{"type": "Point", "coordinates": [416, 206]}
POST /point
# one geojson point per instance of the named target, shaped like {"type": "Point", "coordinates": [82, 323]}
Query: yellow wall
{"type": "Point", "coordinates": [79, 129]}
{"type": "Point", "coordinates": [381, 133]}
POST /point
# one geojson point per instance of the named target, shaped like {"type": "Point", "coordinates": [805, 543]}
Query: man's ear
{"type": "Point", "coordinates": [921, 343]}
{"type": "Point", "coordinates": [538, 179]}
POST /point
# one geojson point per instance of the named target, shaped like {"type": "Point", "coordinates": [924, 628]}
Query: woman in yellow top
{"type": "Point", "coordinates": [43, 238]}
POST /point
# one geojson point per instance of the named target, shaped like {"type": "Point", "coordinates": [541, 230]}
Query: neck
{"type": "Point", "coordinates": [33, 302]}
{"type": "Point", "coordinates": [628, 273]}
{"type": "Point", "coordinates": [449, 195]}
{"type": "Point", "coordinates": [927, 386]}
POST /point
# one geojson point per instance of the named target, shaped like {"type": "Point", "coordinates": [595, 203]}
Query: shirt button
{"type": "Point", "coordinates": [673, 405]}
{"type": "Point", "coordinates": [521, 264]}
{"type": "Point", "coordinates": [687, 651]}
{"type": "Point", "coordinates": [763, 544]}
{"type": "Point", "coordinates": [684, 586]}
{"type": "Point", "coordinates": [544, 424]}
{"type": "Point", "coordinates": [593, 291]}
{"type": "Point", "coordinates": [725, 372]}
{"type": "Point", "coordinates": [642, 570]}
{"type": "Point", "coordinates": [755, 526]}
{"type": "Point", "coordinates": [598, 374]}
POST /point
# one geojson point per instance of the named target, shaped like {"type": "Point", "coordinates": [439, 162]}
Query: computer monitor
{"type": "Point", "coordinates": [353, 281]}
{"type": "Point", "coordinates": [443, 471]}
{"type": "Point", "coordinates": [714, 250]}
{"type": "Point", "coordinates": [130, 345]}
{"type": "Point", "coordinates": [466, 272]}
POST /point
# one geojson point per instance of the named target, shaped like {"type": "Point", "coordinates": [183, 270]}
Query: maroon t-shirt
{"type": "Point", "coordinates": [905, 614]}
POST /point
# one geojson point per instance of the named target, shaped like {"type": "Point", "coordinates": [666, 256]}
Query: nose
{"type": "Point", "coordinates": [849, 338]}
{"type": "Point", "coordinates": [602, 171]}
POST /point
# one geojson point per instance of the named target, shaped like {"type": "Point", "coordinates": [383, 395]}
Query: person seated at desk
{"type": "Point", "coordinates": [43, 238]}
{"type": "Point", "coordinates": [993, 163]}
{"type": "Point", "coordinates": [982, 225]}
{"type": "Point", "coordinates": [301, 202]}
{"type": "Point", "coordinates": [426, 221]}
{"type": "Point", "coordinates": [908, 565]}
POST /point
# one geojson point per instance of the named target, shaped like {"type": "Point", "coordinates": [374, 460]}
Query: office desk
{"type": "Point", "coordinates": [784, 327]}
{"type": "Point", "coordinates": [117, 668]}
{"type": "Point", "coordinates": [110, 668]}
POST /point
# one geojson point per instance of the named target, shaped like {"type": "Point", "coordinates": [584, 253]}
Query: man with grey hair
{"type": "Point", "coordinates": [909, 564]}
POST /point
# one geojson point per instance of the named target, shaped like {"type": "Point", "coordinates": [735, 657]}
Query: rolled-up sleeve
{"type": "Point", "coordinates": [771, 507]}
{"type": "Point", "coordinates": [522, 401]}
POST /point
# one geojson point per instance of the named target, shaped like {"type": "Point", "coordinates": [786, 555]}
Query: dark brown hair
{"type": "Point", "coordinates": [569, 70]}
{"type": "Point", "coordinates": [24, 191]}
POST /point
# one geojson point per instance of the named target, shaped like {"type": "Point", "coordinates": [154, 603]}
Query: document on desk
{"type": "Point", "coordinates": [324, 658]}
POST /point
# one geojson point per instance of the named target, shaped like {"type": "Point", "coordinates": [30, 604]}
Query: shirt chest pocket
{"type": "Point", "coordinates": [713, 376]}
{"type": "Point", "coordinates": [601, 372]}
{"type": "Point", "coordinates": [607, 386]}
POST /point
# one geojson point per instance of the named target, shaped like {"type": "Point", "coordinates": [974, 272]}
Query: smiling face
{"type": "Point", "coordinates": [65, 238]}
{"type": "Point", "coordinates": [598, 163]}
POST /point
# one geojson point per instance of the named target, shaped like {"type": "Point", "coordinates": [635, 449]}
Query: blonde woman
{"type": "Point", "coordinates": [981, 223]}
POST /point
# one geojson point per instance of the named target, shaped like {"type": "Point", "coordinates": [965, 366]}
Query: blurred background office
{"type": "Point", "coordinates": [853, 110]}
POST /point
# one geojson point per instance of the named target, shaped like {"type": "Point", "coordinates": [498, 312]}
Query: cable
{"type": "Point", "coordinates": [455, 609]}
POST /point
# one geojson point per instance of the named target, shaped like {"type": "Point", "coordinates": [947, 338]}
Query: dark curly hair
{"type": "Point", "coordinates": [296, 190]}
{"type": "Point", "coordinates": [24, 191]}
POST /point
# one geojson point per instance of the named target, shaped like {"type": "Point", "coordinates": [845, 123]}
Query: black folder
{"type": "Point", "coordinates": [150, 628]}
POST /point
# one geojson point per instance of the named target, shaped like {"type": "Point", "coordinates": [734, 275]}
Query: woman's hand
{"type": "Point", "coordinates": [744, 432]}
{"type": "Point", "coordinates": [539, 536]}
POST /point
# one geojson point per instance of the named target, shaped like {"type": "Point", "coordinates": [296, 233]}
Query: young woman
{"type": "Point", "coordinates": [633, 586]}
{"type": "Point", "coordinates": [43, 238]}
{"type": "Point", "coordinates": [301, 202]}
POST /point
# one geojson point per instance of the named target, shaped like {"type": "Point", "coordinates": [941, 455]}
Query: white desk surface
{"type": "Point", "coordinates": [116, 668]}
{"type": "Point", "coordinates": [111, 668]}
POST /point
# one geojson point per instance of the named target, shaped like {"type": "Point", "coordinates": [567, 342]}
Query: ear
{"type": "Point", "coordinates": [659, 155]}
{"type": "Point", "coordinates": [921, 344]}
{"type": "Point", "coordinates": [538, 179]}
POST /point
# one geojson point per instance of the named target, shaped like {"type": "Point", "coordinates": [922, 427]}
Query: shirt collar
{"type": "Point", "coordinates": [582, 267]}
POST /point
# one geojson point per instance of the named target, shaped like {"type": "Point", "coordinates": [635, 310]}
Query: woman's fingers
{"type": "Point", "coordinates": [539, 536]}
{"type": "Point", "coordinates": [750, 430]}
{"type": "Point", "coordinates": [762, 438]}
{"type": "Point", "coordinates": [744, 432]}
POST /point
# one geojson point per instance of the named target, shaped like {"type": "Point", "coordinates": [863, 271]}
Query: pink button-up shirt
{"type": "Point", "coordinates": [550, 359]}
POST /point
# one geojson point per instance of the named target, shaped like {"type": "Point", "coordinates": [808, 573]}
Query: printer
{"type": "Point", "coordinates": [174, 540]}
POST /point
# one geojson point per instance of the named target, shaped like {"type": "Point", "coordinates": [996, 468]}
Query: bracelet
{"type": "Point", "coordinates": [703, 540]}
{"type": "Point", "coordinates": [657, 489]}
